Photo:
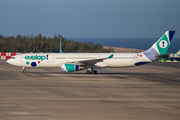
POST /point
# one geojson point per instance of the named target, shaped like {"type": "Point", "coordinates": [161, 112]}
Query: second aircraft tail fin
{"type": "Point", "coordinates": [178, 52]}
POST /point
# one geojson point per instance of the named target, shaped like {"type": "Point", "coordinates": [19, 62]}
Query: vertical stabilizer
{"type": "Point", "coordinates": [178, 52]}
{"type": "Point", "coordinates": [161, 46]}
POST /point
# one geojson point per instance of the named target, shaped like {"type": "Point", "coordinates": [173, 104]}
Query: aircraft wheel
{"type": "Point", "coordinates": [88, 72]}
{"type": "Point", "coordinates": [24, 71]}
{"type": "Point", "coordinates": [94, 72]}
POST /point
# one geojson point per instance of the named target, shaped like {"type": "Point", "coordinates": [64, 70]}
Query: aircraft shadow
{"type": "Point", "coordinates": [106, 73]}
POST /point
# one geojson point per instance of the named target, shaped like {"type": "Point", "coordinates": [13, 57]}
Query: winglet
{"type": "Point", "coordinates": [111, 56]}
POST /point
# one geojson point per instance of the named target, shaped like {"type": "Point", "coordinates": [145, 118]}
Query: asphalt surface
{"type": "Point", "coordinates": [147, 92]}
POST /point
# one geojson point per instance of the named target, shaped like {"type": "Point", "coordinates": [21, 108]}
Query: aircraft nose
{"type": "Point", "coordinates": [8, 61]}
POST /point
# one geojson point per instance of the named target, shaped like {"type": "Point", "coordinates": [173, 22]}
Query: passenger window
{"type": "Point", "coordinates": [12, 57]}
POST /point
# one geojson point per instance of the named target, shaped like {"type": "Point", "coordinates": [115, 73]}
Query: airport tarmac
{"type": "Point", "coordinates": [147, 92]}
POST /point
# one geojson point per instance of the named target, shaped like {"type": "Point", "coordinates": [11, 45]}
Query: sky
{"type": "Point", "coordinates": [90, 18]}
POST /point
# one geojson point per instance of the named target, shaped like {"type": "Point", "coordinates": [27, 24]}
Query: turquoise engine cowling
{"type": "Point", "coordinates": [70, 68]}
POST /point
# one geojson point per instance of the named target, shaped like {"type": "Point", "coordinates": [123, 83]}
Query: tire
{"type": "Point", "coordinates": [94, 72]}
{"type": "Point", "coordinates": [88, 72]}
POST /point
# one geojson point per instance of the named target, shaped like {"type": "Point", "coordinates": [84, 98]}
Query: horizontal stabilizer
{"type": "Point", "coordinates": [158, 56]}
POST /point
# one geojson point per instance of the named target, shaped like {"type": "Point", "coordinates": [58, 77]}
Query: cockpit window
{"type": "Point", "coordinates": [12, 57]}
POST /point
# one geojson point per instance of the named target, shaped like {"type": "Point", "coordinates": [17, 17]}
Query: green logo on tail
{"type": "Point", "coordinates": [163, 44]}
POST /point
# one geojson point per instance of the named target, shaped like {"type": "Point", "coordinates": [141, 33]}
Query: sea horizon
{"type": "Point", "coordinates": [136, 43]}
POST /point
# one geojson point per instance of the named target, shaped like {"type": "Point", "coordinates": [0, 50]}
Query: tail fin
{"type": "Point", "coordinates": [60, 47]}
{"type": "Point", "coordinates": [161, 46]}
{"type": "Point", "coordinates": [178, 52]}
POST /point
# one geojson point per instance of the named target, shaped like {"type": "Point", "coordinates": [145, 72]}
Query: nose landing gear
{"type": "Point", "coordinates": [24, 69]}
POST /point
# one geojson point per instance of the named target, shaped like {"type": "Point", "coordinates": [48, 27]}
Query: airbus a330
{"type": "Point", "coordinates": [70, 62]}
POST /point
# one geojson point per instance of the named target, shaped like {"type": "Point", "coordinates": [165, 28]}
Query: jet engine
{"type": "Point", "coordinates": [70, 68]}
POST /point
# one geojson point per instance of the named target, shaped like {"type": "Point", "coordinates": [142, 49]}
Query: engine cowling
{"type": "Point", "coordinates": [70, 68]}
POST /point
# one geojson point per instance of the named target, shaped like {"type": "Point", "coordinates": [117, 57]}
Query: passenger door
{"type": "Point", "coordinates": [22, 58]}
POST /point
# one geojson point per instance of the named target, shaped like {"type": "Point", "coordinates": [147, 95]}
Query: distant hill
{"type": "Point", "coordinates": [124, 50]}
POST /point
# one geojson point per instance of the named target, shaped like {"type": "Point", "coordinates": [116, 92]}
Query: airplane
{"type": "Point", "coordinates": [176, 54]}
{"type": "Point", "coordinates": [171, 57]}
{"type": "Point", "coordinates": [70, 62]}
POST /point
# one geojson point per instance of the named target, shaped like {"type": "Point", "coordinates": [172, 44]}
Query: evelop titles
{"type": "Point", "coordinates": [36, 57]}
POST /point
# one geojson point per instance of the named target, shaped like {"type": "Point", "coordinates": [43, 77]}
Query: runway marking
{"type": "Point", "coordinates": [20, 113]}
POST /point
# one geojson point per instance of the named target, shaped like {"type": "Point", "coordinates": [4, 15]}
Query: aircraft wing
{"type": "Point", "coordinates": [90, 62]}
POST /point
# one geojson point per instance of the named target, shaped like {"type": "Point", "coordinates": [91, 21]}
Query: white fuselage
{"type": "Point", "coordinates": [57, 59]}
{"type": "Point", "coordinates": [70, 62]}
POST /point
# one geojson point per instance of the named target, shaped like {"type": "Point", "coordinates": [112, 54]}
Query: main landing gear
{"type": "Point", "coordinates": [24, 69]}
{"type": "Point", "coordinates": [91, 71]}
